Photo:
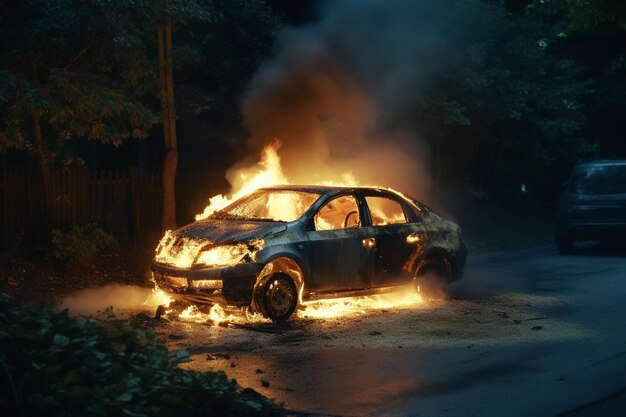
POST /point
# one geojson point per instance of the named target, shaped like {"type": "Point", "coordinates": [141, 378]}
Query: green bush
{"type": "Point", "coordinates": [55, 365]}
{"type": "Point", "coordinates": [80, 244]}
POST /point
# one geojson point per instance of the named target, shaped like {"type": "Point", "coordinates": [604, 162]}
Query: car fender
{"type": "Point", "coordinates": [284, 263]}
{"type": "Point", "coordinates": [434, 256]}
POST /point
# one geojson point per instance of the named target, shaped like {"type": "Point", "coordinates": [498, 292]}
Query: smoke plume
{"type": "Point", "coordinates": [334, 91]}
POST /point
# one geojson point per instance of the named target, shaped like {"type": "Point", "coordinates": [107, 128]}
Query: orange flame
{"type": "Point", "coordinates": [266, 173]}
{"type": "Point", "coordinates": [323, 309]}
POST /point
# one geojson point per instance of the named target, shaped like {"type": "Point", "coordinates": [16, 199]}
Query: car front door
{"type": "Point", "coordinates": [397, 240]}
{"type": "Point", "coordinates": [341, 252]}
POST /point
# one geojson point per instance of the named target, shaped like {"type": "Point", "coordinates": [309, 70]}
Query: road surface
{"type": "Point", "coordinates": [525, 333]}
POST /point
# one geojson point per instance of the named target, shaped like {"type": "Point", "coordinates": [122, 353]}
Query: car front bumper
{"type": "Point", "coordinates": [231, 284]}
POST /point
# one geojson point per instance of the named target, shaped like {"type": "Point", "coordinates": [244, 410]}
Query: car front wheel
{"type": "Point", "coordinates": [278, 297]}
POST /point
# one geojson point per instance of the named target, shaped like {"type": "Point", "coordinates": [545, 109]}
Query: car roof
{"type": "Point", "coordinates": [326, 189]}
{"type": "Point", "coordinates": [329, 191]}
{"type": "Point", "coordinates": [603, 162]}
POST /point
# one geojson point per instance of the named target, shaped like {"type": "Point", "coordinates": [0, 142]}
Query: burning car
{"type": "Point", "coordinates": [284, 245]}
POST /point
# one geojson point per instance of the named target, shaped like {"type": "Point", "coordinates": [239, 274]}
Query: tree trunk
{"type": "Point", "coordinates": [38, 137]}
{"type": "Point", "coordinates": [168, 112]}
{"type": "Point", "coordinates": [43, 163]}
{"type": "Point", "coordinates": [43, 213]}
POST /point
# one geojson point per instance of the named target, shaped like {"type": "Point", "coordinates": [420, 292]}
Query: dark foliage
{"type": "Point", "coordinates": [79, 244]}
{"type": "Point", "coordinates": [55, 365]}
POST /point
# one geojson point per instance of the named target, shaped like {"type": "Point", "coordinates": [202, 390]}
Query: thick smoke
{"type": "Point", "coordinates": [335, 90]}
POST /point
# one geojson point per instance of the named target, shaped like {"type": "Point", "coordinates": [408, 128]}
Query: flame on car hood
{"type": "Point", "coordinates": [224, 231]}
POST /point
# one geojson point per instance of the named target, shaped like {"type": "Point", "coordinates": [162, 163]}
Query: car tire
{"type": "Point", "coordinates": [277, 298]}
{"type": "Point", "coordinates": [431, 281]}
{"type": "Point", "coordinates": [564, 244]}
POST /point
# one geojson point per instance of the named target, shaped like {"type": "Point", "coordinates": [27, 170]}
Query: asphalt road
{"type": "Point", "coordinates": [525, 333]}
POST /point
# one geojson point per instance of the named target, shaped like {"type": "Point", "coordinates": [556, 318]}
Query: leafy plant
{"type": "Point", "coordinates": [80, 244]}
{"type": "Point", "coordinates": [55, 365]}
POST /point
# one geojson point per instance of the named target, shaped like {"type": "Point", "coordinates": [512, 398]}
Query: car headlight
{"type": "Point", "coordinates": [224, 255]}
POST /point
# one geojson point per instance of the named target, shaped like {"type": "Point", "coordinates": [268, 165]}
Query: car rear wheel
{"type": "Point", "coordinates": [564, 244]}
{"type": "Point", "coordinates": [431, 281]}
{"type": "Point", "coordinates": [278, 297]}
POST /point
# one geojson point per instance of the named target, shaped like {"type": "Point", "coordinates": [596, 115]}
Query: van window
{"type": "Point", "coordinates": [601, 179]}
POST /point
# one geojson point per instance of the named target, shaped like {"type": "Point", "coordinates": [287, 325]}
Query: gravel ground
{"type": "Point", "coordinates": [277, 360]}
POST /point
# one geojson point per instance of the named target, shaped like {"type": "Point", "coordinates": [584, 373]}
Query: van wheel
{"type": "Point", "coordinates": [277, 297]}
{"type": "Point", "coordinates": [564, 244]}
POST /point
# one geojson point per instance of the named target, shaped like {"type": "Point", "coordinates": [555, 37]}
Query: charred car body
{"type": "Point", "coordinates": [283, 245]}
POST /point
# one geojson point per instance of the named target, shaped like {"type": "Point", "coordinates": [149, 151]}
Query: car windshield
{"type": "Point", "coordinates": [269, 205]}
{"type": "Point", "coordinates": [601, 179]}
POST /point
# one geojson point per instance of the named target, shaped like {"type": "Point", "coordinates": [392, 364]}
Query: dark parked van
{"type": "Point", "coordinates": [593, 205]}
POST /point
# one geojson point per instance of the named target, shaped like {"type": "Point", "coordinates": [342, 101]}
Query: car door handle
{"type": "Point", "coordinates": [369, 242]}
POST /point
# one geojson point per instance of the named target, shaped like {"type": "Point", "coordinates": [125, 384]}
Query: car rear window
{"type": "Point", "coordinates": [601, 179]}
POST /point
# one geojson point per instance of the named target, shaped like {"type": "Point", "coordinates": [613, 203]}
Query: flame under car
{"type": "Point", "coordinates": [284, 245]}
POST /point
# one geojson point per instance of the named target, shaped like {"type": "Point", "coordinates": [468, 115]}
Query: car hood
{"type": "Point", "coordinates": [223, 231]}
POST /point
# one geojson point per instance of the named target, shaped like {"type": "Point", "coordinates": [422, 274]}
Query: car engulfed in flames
{"type": "Point", "coordinates": [282, 246]}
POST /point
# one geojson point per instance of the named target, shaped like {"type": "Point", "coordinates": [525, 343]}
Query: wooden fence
{"type": "Point", "coordinates": [124, 202]}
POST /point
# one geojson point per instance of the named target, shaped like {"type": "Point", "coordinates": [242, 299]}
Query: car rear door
{"type": "Point", "coordinates": [397, 233]}
{"type": "Point", "coordinates": [340, 250]}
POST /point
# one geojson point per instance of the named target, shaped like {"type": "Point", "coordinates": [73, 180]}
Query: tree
{"type": "Point", "coordinates": [501, 94]}
{"type": "Point", "coordinates": [168, 111]}
{"type": "Point", "coordinates": [217, 50]}
{"type": "Point", "coordinates": [597, 42]}
{"type": "Point", "coordinates": [72, 69]}
{"type": "Point", "coordinates": [216, 62]}
{"type": "Point", "coordinates": [76, 69]}
{"type": "Point", "coordinates": [590, 13]}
